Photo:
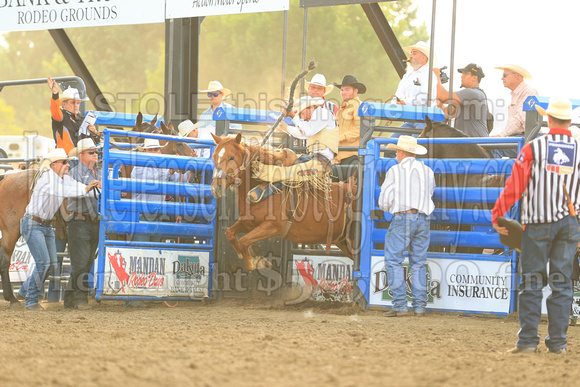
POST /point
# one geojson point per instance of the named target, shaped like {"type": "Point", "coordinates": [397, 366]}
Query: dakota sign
{"type": "Point", "coordinates": [27, 15]}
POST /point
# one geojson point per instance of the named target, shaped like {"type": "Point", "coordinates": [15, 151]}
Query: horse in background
{"type": "Point", "coordinates": [15, 195]}
{"type": "Point", "coordinates": [307, 222]}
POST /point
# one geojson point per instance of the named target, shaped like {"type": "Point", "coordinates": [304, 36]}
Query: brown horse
{"type": "Point", "coordinates": [272, 217]}
{"type": "Point", "coordinates": [15, 195]}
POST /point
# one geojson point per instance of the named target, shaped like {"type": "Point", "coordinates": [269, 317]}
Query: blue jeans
{"type": "Point", "coordinates": [407, 232]}
{"type": "Point", "coordinates": [553, 243]}
{"type": "Point", "coordinates": [40, 241]}
{"type": "Point", "coordinates": [416, 125]}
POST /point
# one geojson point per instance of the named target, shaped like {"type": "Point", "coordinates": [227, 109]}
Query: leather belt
{"type": "Point", "coordinates": [45, 223]}
{"type": "Point", "coordinates": [411, 211]}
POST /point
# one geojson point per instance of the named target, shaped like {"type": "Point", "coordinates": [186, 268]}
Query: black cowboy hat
{"type": "Point", "coordinates": [350, 80]}
{"type": "Point", "coordinates": [514, 239]}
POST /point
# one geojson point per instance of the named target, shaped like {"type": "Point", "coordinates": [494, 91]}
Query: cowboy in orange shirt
{"type": "Point", "coordinates": [66, 121]}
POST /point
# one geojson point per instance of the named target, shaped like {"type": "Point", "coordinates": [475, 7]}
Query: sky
{"type": "Point", "coordinates": [537, 35]}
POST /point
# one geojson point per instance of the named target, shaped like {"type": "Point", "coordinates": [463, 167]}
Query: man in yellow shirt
{"type": "Point", "coordinates": [348, 120]}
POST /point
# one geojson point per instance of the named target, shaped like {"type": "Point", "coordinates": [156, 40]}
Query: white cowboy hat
{"type": "Point", "coordinates": [320, 80]}
{"type": "Point", "coordinates": [149, 143]}
{"type": "Point", "coordinates": [517, 69]}
{"type": "Point", "coordinates": [216, 86]}
{"type": "Point", "coordinates": [83, 145]}
{"type": "Point", "coordinates": [421, 47]}
{"type": "Point", "coordinates": [559, 107]}
{"type": "Point", "coordinates": [187, 127]}
{"type": "Point", "coordinates": [307, 101]}
{"type": "Point", "coordinates": [72, 93]}
{"type": "Point", "coordinates": [408, 144]}
{"type": "Point", "coordinates": [52, 156]}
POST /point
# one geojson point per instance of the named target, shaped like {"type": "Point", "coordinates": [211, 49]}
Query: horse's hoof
{"type": "Point", "coordinates": [262, 263]}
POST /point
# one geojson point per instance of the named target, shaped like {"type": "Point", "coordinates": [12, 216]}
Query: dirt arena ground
{"type": "Point", "coordinates": [260, 343]}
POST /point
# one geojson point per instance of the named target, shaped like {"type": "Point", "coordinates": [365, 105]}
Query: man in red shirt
{"type": "Point", "coordinates": [546, 173]}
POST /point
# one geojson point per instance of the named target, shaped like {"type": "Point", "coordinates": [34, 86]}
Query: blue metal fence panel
{"type": "Point", "coordinates": [400, 112]}
{"type": "Point", "coordinates": [123, 216]}
{"type": "Point", "coordinates": [248, 115]}
{"type": "Point", "coordinates": [480, 235]}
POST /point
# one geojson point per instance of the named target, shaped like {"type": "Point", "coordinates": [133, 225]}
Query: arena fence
{"type": "Point", "coordinates": [467, 282]}
{"type": "Point", "coordinates": [178, 264]}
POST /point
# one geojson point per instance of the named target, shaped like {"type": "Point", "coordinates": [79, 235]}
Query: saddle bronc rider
{"type": "Point", "coordinates": [316, 125]}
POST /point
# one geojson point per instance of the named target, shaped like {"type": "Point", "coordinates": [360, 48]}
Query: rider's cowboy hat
{"type": "Point", "coordinates": [52, 156]}
{"type": "Point", "coordinates": [320, 80]}
{"type": "Point", "coordinates": [187, 127]}
{"type": "Point", "coordinates": [149, 143]}
{"type": "Point", "coordinates": [516, 69]}
{"type": "Point", "coordinates": [83, 145]}
{"type": "Point", "coordinates": [216, 86]}
{"type": "Point", "coordinates": [559, 107]}
{"type": "Point", "coordinates": [72, 93]}
{"type": "Point", "coordinates": [307, 101]}
{"type": "Point", "coordinates": [408, 144]}
{"type": "Point", "coordinates": [350, 80]}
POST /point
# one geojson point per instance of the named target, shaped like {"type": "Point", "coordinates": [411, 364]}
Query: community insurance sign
{"type": "Point", "coordinates": [27, 15]}
{"type": "Point", "coordinates": [194, 8]}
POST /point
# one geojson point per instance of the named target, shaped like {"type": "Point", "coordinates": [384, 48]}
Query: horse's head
{"type": "Point", "coordinates": [144, 127]}
{"type": "Point", "coordinates": [230, 158]}
{"type": "Point", "coordinates": [178, 148]}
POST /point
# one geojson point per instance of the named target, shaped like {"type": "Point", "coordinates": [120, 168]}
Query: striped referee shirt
{"type": "Point", "coordinates": [542, 169]}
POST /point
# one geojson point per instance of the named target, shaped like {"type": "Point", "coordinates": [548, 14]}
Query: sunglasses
{"type": "Point", "coordinates": [91, 152]}
{"type": "Point", "coordinates": [213, 94]}
{"type": "Point", "coordinates": [504, 75]}
{"type": "Point", "coordinates": [64, 162]}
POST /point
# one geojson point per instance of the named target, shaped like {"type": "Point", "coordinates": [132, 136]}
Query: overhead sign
{"type": "Point", "coordinates": [28, 15]}
{"type": "Point", "coordinates": [326, 3]}
{"type": "Point", "coordinates": [194, 8]}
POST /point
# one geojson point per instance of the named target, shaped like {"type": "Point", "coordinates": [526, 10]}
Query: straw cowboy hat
{"type": "Point", "coordinates": [559, 107]}
{"type": "Point", "coordinates": [307, 101]}
{"type": "Point", "coordinates": [72, 93]}
{"type": "Point", "coordinates": [149, 143]}
{"type": "Point", "coordinates": [516, 69]}
{"type": "Point", "coordinates": [216, 86]}
{"type": "Point", "coordinates": [350, 80]}
{"type": "Point", "coordinates": [320, 80]}
{"type": "Point", "coordinates": [52, 156]}
{"type": "Point", "coordinates": [420, 46]}
{"type": "Point", "coordinates": [187, 127]}
{"type": "Point", "coordinates": [83, 145]}
{"type": "Point", "coordinates": [408, 144]}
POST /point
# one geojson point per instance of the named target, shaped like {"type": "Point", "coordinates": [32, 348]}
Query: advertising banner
{"type": "Point", "coordinates": [28, 15]}
{"type": "Point", "coordinates": [323, 278]}
{"type": "Point", "coordinates": [194, 8]}
{"type": "Point", "coordinates": [156, 273]}
{"type": "Point", "coordinates": [452, 284]}
{"type": "Point", "coordinates": [21, 262]}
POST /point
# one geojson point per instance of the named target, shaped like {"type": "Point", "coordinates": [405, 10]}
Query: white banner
{"type": "Point", "coordinates": [322, 278]}
{"type": "Point", "coordinates": [156, 273]}
{"type": "Point", "coordinates": [21, 262]}
{"type": "Point", "coordinates": [452, 284]}
{"type": "Point", "coordinates": [28, 15]}
{"type": "Point", "coordinates": [193, 8]}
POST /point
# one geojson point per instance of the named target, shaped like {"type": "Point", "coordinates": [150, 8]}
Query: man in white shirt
{"type": "Point", "coordinates": [52, 185]}
{"type": "Point", "coordinates": [414, 87]}
{"type": "Point", "coordinates": [407, 194]}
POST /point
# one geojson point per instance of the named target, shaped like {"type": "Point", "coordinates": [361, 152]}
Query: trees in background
{"type": "Point", "coordinates": [244, 52]}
